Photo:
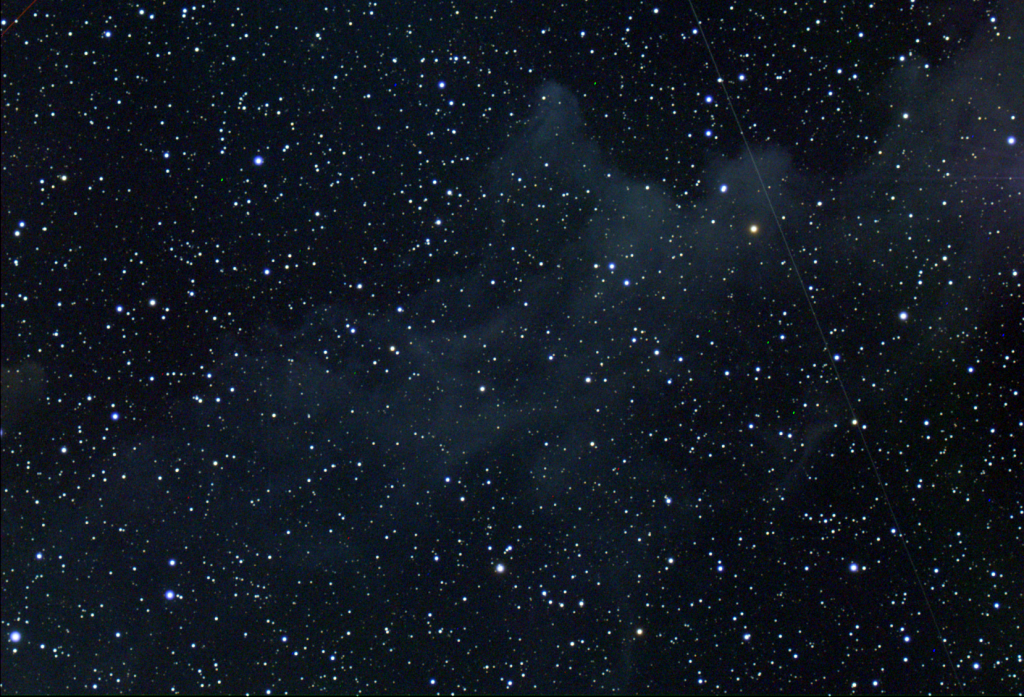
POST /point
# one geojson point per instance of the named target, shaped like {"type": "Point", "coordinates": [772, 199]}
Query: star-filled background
{"type": "Point", "coordinates": [443, 347]}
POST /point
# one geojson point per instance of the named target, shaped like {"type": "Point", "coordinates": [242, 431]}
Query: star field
{"type": "Point", "coordinates": [433, 348]}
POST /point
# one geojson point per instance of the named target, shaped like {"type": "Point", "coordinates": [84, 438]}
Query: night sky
{"type": "Point", "coordinates": [442, 347]}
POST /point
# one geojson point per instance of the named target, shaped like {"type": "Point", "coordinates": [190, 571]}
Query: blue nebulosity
{"type": "Point", "coordinates": [501, 378]}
